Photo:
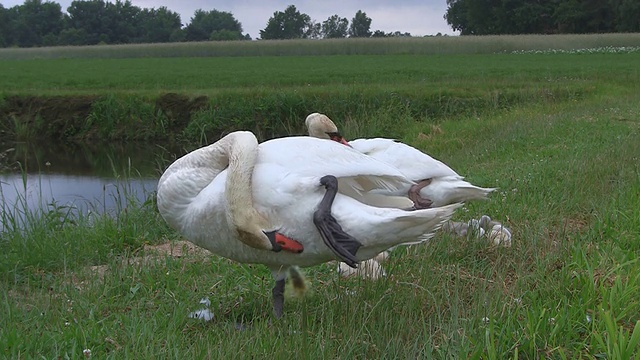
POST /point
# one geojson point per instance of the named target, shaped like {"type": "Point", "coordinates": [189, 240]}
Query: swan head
{"type": "Point", "coordinates": [280, 242]}
{"type": "Point", "coordinates": [321, 127]}
{"type": "Point", "coordinates": [250, 230]}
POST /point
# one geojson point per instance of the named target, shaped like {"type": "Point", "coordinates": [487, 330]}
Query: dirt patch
{"type": "Point", "coordinates": [54, 116]}
{"type": "Point", "coordinates": [569, 227]}
{"type": "Point", "coordinates": [176, 249]}
{"type": "Point", "coordinates": [151, 253]}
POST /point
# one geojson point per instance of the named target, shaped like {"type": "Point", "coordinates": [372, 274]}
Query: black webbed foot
{"type": "Point", "coordinates": [414, 194]}
{"type": "Point", "coordinates": [342, 244]}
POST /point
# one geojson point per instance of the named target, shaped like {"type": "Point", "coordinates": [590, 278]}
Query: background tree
{"type": "Point", "coordinates": [158, 25]}
{"type": "Point", "coordinates": [482, 17]}
{"type": "Point", "coordinates": [29, 24]}
{"type": "Point", "coordinates": [89, 19]}
{"type": "Point", "coordinates": [627, 15]}
{"type": "Point", "coordinates": [598, 16]}
{"type": "Point", "coordinates": [121, 22]}
{"type": "Point", "coordinates": [213, 25]}
{"type": "Point", "coordinates": [290, 24]}
{"type": "Point", "coordinates": [313, 30]}
{"type": "Point", "coordinates": [360, 25]}
{"type": "Point", "coordinates": [335, 27]}
{"type": "Point", "coordinates": [567, 16]}
{"type": "Point", "coordinates": [5, 35]}
{"type": "Point", "coordinates": [479, 17]}
{"type": "Point", "coordinates": [73, 36]}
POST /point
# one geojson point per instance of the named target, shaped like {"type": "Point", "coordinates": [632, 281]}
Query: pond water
{"type": "Point", "coordinates": [96, 178]}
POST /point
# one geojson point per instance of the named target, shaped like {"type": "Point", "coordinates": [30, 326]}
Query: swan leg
{"type": "Point", "coordinates": [342, 244]}
{"type": "Point", "coordinates": [278, 297]}
{"type": "Point", "coordinates": [414, 194]}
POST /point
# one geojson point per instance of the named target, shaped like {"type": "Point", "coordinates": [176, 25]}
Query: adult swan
{"type": "Point", "coordinates": [436, 184]}
{"type": "Point", "coordinates": [245, 202]}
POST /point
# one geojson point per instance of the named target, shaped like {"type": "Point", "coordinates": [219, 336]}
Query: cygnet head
{"type": "Point", "coordinates": [500, 235]}
{"type": "Point", "coordinates": [485, 220]}
{"type": "Point", "coordinates": [321, 127]}
{"type": "Point", "coordinates": [475, 229]}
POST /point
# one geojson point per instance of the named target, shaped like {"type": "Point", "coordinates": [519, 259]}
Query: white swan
{"type": "Point", "coordinates": [282, 185]}
{"type": "Point", "coordinates": [436, 183]}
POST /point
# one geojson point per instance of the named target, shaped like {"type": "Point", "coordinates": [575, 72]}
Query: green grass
{"type": "Point", "coordinates": [569, 180]}
{"type": "Point", "coordinates": [126, 99]}
{"type": "Point", "coordinates": [558, 134]}
{"type": "Point", "coordinates": [314, 74]}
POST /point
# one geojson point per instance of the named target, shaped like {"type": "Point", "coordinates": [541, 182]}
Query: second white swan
{"type": "Point", "coordinates": [436, 184]}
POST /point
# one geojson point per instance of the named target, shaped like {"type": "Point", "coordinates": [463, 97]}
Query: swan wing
{"type": "Point", "coordinates": [413, 163]}
{"type": "Point", "coordinates": [307, 157]}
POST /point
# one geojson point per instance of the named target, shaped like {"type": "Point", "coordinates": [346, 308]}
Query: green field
{"type": "Point", "coordinates": [197, 98]}
{"type": "Point", "coordinates": [558, 134]}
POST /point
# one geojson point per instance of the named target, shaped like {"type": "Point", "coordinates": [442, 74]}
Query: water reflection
{"type": "Point", "coordinates": [98, 177]}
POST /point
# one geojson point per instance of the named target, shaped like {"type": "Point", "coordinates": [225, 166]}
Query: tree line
{"type": "Point", "coordinates": [91, 22]}
{"type": "Point", "coordinates": [492, 17]}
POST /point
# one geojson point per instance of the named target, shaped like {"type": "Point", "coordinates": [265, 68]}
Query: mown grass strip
{"type": "Point", "coordinates": [437, 45]}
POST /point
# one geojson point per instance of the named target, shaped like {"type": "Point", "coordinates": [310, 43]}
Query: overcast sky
{"type": "Point", "coordinates": [422, 17]}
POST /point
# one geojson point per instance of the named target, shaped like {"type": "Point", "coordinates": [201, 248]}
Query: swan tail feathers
{"type": "Point", "coordinates": [446, 191]}
{"type": "Point", "coordinates": [472, 192]}
{"type": "Point", "coordinates": [420, 225]}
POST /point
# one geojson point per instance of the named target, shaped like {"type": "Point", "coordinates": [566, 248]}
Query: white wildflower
{"type": "Point", "coordinates": [205, 301]}
{"type": "Point", "coordinates": [202, 314]}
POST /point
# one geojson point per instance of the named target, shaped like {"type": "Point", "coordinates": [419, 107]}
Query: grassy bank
{"type": "Point", "coordinates": [195, 99]}
{"type": "Point", "coordinates": [558, 134]}
{"type": "Point", "coordinates": [437, 45]}
{"type": "Point", "coordinates": [568, 177]}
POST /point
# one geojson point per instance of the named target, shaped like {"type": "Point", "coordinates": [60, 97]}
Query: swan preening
{"type": "Point", "coordinates": [436, 184]}
{"type": "Point", "coordinates": [245, 201]}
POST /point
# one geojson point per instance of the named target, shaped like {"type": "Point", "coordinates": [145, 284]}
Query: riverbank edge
{"type": "Point", "coordinates": [200, 118]}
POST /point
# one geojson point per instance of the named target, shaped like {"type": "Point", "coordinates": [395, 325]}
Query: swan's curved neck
{"type": "Point", "coordinates": [187, 176]}
{"type": "Point", "coordinates": [242, 150]}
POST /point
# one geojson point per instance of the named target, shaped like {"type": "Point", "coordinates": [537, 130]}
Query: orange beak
{"type": "Point", "coordinates": [340, 139]}
{"type": "Point", "coordinates": [288, 244]}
